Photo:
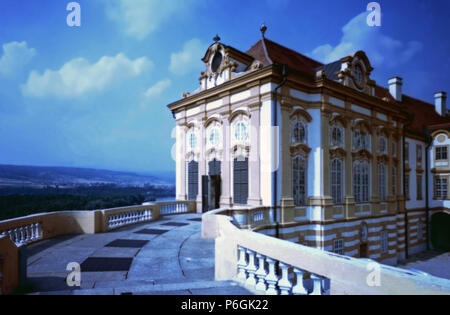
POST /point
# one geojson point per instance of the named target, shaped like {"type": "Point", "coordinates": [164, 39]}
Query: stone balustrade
{"type": "Point", "coordinates": [269, 276]}
{"type": "Point", "coordinates": [174, 208]}
{"type": "Point", "coordinates": [23, 235]}
{"type": "Point", "coordinates": [18, 232]}
{"type": "Point", "coordinates": [267, 265]}
{"type": "Point", "coordinates": [251, 217]}
{"type": "Point", "coordinates": [128, 217]}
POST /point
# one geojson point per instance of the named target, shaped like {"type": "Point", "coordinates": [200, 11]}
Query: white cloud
{"type": "Point", "coordinates": [139, 18]}
{"type": "Point", "coordinates": [158, 88]}
{"type": "Point", "coordinates": [15, 56]}
{"type": "Point", "coordinates": [189, 59]}
{"type": "Point", "coordinates": [78, 77]}
{"type": "Point", "coordinates": [381, 49]}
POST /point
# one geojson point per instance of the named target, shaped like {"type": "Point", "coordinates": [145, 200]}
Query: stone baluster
{"type": "Point", "coordinates": [34, 235]}
{"type": "Point", "coordinates": [38, 230]}
{"type": "Point", "coordinates": [284, 284]}
{"type": "Point", "coordinates": [16, 236]}
{"type": "Point", "coordinates": [299, 288]}
{"type": "Point", "coordinates": [271, 278]}
{"type": "Point", "coordinates": [251, 269]}
{"type": "Point", "coordinates": [317, 285]}
{"type": "Point", "coordinates": [242, 265]}
{"type": "Point", "coordinates": [261, 273]}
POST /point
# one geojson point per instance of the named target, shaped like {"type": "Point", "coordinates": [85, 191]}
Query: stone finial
{"type": "Point", "coordinates": [263, 29]}
{"type": "Point", "coordinates": [216, 38]}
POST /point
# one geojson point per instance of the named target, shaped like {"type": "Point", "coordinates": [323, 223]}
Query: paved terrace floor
{"type": "Point", "coordinates": [163, 257]}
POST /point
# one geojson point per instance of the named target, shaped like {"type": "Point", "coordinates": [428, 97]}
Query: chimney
{"type": "Point", "coordinates": [440, 102]}
{"type": "Point", "coordinates": [395, 88]}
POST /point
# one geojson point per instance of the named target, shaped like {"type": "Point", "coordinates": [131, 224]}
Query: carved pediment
{"type": "Point", "coordinates": [300, 149]}
{"type": "Point", "coordinates": [361, 154]}
{"type": "Point", "coordinates": [383, 158]}
{"type": "Point", "coordinates": [337, 152]}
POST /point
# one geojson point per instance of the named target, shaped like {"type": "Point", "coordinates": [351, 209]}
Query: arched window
{"type": "Point", "coordinates": [382, 181]}
{"type": "Point", "coordinates": [336, 180]}
{"type": "Point", "coordinates": [214, 136]}
{"type": "Point", "coordinates": [382, 145]}
{"type": "Point", "coordinates": [299, 180]}
{"type": "Point", "coordinates": [361, 181]}
{"type": "Point", "coordinates": [192, 141]}
{"type": "Point", "coordinates": [337, 136]}
{"type": "Point", "coordinates": [361, 140]}
{"type": "Point", "coordinates": [298, 131]}
{"type": "Point", "coordinates": [241, 131]}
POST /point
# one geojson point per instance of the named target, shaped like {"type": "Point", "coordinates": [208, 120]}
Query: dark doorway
{"type": "Point", "coordinates": [440, 231]}
{"type": "Point", "coordinates": [211, 191]}
{"type": "Point", "coordinates": [211, 186]}
{"type": "Point", "coordinates": [363, 251]}
{"type": "Point", "coordinates": [240, 181]}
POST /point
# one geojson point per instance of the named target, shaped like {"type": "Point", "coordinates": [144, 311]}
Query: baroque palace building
{"type": "Point", "coordinates": [350, 166]}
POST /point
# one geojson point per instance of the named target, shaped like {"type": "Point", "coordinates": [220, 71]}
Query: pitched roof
{"type": "Point", "coordinates": [423, 114]}
{"type": "Point", "coordinates": [269, 52]}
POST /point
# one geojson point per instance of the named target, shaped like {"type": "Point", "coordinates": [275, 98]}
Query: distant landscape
{"type": "Point", "coordinates": [26, 190]}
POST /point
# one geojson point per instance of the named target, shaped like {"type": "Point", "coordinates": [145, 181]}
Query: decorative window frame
{"type": "Point", "coordinates": [442, 195]}
{"type": "Point", "coordinates": [435, 153]}
{"type": "Point", "coordinates": [341, 185]}
{"type": "Point", "coordinates": [419, 192]}
{"type": "Point", "coordinates": [303, 159]}
{"type": "Point", "coordinates": [240, 148]}
{"type": "Point", "coordinates": [360, 196]}
{"type": "Point", "coordinates": [382, 181]}
{"type": "Point", "coordinates": [338, 246]}
{"type": "Point", "coordinates": [394, 181]}
{"type": "Point", "coordinates": [361, 135]}
{"type": "Point", "coordinates": [419, 153]}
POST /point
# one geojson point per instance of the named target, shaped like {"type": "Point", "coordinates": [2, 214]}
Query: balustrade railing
{"type": "Point", "coordinates": [129, 217]}
{"type": "Point", "coordinates": [269, 276]}
{"type": "Point", "coordinates": [23, 235]}
{"type": "Point", "coordinates": [173, 208]}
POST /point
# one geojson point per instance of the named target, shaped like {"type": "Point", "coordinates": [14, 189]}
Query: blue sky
{"type": "Point", "coordinates": [96, 95]}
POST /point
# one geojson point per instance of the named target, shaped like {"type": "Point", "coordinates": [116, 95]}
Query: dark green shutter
{"type": "Point", "coordinates": [192, 180]}
{"type": "Point", "coordinates": [240, 186]}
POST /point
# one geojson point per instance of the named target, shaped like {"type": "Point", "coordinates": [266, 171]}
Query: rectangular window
{"type": "Point", "coordinates": [299, 180]}
{"type": "Point", "coordinates": [407, 186]}
{"type": "Point", "coordinates": [384, 242]}
{"type": "Point", "coordinates": [419, 153]}
{"type": "Point", "coordinates": [394, 181]}
{"type": "Point", "coordinates": [406, 152]}
{"type": "Point", "coordinates": [441, 154]}
{"type": "Point", "coordinates": [338, 246]}
{"type": "Point", "coordinates": [336, 181]}
{"type": "Point", "coordinates": [440, 188]}
{"type": "Point", "coordinates": [419, 187]}
{"type": "Point", "coordinates": [382, 181]}
{"type": "Point", "coordinates": [394, 149]}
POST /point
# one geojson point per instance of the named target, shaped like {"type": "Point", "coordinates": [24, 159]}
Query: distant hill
{"type": "Point", "coordinates": [39, 176]}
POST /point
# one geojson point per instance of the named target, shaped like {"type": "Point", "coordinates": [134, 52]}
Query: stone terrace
{"type": "Point", "coordinates": [167, 256]}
